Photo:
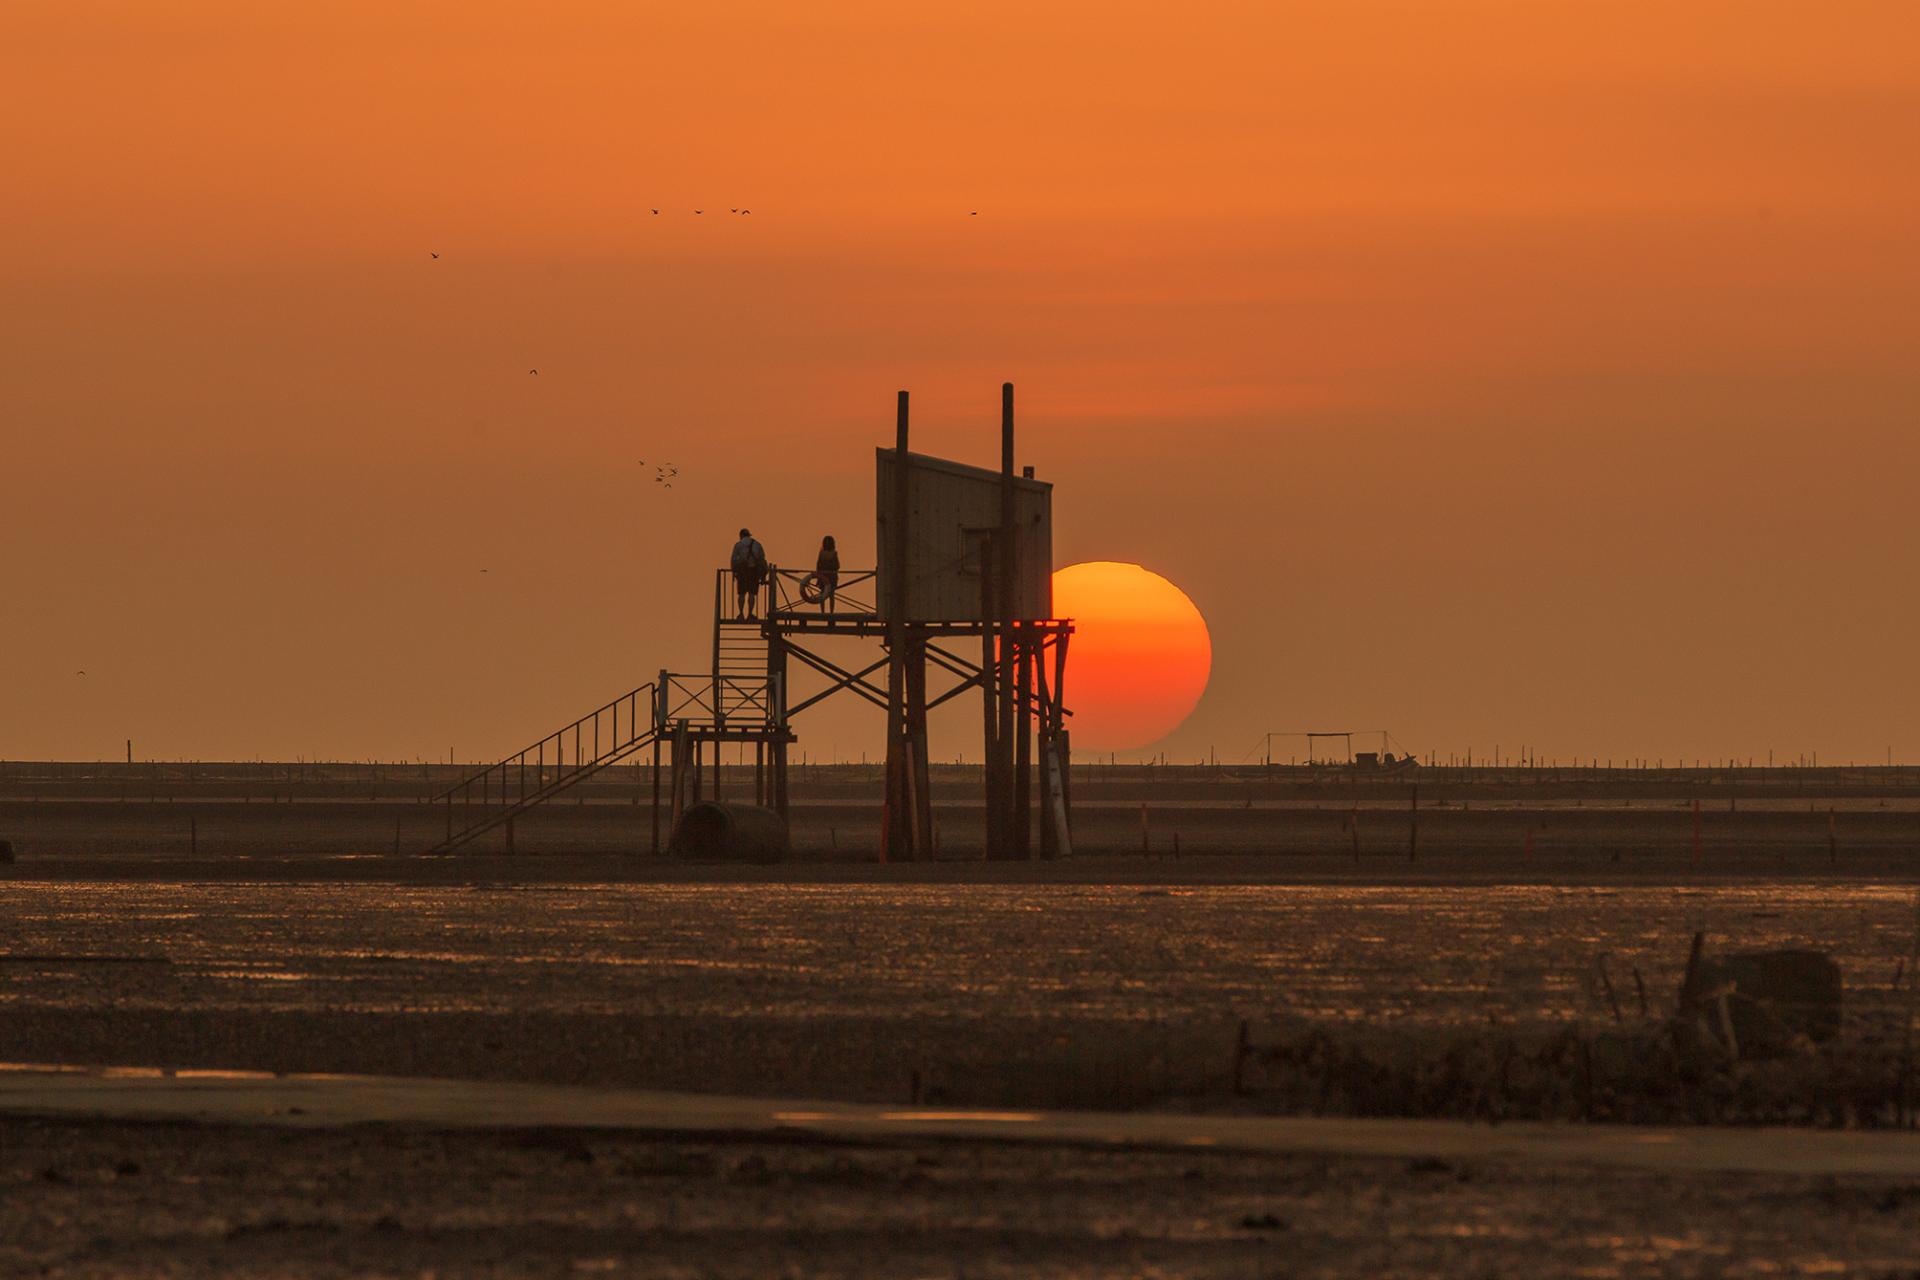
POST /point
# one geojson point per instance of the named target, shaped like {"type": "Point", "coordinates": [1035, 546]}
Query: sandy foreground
{"type": "Point", "coordinates": [864, 991]}
{"type": "Point", "coordinates": [416, 1178]}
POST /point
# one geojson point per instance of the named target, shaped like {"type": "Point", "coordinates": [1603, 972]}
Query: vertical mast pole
{"type": "Point", "coordinates": [897, 826]}
{"type": "Point", "coordinates": [1006, 567]}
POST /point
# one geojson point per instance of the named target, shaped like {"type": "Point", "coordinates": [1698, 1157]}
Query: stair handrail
{"type": "Point", "coordinates": [637, 702]}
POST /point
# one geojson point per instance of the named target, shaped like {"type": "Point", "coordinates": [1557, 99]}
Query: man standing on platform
{"type": "Point", "coordinates": [749, 568]}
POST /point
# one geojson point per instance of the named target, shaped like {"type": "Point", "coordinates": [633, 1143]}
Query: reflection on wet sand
{"type": "Point", "coordinates": [1418, 955]}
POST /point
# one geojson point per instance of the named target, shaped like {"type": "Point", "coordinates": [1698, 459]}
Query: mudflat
{"type": "Point", "coordinates": [106, 1198]}
{"type": "Point", "coordinates": [1284, 997]}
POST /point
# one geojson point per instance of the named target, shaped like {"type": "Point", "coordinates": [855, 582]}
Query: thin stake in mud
{"type": "Point", "coordinates": [1606, 985]}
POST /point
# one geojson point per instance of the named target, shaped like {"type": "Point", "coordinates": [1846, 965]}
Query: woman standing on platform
{"type": "Point", "coordinates": [826, 572]}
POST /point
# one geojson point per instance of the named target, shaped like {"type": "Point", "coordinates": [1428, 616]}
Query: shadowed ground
{"type": "Point", "coordinates": [111, 1198]}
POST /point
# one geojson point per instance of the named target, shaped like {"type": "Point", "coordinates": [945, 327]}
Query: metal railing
{"type": "Point", "coordinates": [801, 591]}
{"type": "Point", "coordinates": [702, 701]}
{"type": "Point", "coordinates": [855, 593]}
{"type": "Point", "coordinates": [573, 753]}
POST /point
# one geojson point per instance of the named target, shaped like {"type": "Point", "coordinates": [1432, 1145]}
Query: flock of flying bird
{"type": "Point", "coordinates": [663, 473]}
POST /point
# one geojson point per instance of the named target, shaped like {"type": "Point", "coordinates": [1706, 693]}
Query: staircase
{"type": "Point", "coordinates": [736, 701]}
{"type": "Point", "coordinates": [572, 753]}
{"type": "Point", "coordinates": [740, 685]}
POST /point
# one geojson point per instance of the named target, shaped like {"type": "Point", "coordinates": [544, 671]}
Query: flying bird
{"type": "Point", "coordinates": [79, 673]}
{"type": "Point", "coordinates": [431, 253]}
{"type": "Point", "coordinates": [656, 213]}
{"type": "Point", "coordinates": [973, 213]}
{"type": "Point", "coordinates": [534, 372]}
{"type": "Point", "coordinates": [699, 210]}
{"type": "Point", "coordinates": [733, 211]}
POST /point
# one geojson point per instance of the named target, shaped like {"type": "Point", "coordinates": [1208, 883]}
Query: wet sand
{"type": "Point", "coordinates": [110, 1198]}
{"type": "Point", "coordinates": [1055, 994]}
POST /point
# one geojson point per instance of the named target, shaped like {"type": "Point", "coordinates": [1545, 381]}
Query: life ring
{"type": "Point", "coordinates": [813, 589]}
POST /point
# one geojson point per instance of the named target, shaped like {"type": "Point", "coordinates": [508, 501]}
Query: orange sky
{"type": "Point", "coordinates": [1502, 371]}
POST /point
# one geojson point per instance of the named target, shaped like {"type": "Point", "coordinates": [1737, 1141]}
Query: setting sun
{"type": "Point", "coordinates": [1141, 653]}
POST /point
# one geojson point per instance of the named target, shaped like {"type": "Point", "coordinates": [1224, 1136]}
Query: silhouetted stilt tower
{"type": "Point", "coordinates": [964, 553]}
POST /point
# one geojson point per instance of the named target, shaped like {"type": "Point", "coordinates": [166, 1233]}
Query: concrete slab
{"type": "Point", "coordinates": [220, 1097]}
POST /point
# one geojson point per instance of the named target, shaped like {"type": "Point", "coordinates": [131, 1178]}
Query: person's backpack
{"type": "Point", "coordinates": [747, 556]}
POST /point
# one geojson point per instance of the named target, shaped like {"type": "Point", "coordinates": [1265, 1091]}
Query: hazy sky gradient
{"type": "Point", "coordinates": [1502, 371]}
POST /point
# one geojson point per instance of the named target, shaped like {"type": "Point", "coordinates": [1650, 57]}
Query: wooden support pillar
{"type": "Point", "coordinates": [681, 765]}
{"type": "Point", "coordinates": [989, 701]}
{"type": "Point", "coordinates": [919, 784]}
{"type": "Point", "coordinates": [896, 824]}
{"type": "Point", "coordinates": [655, 811]}
{"type": "Point", "coordinates": [780, 777]}
{"type": "Point", "coordinates": [1023, 742]}
{"type": "Point", "coordinates": [1063, 740]}
{"type": "Point", "coordinates": [777, 693]}
{"type": "Point", "coordinates": [1063, 753]}
{"type": "Point", "coordinates": [1049, 847]}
